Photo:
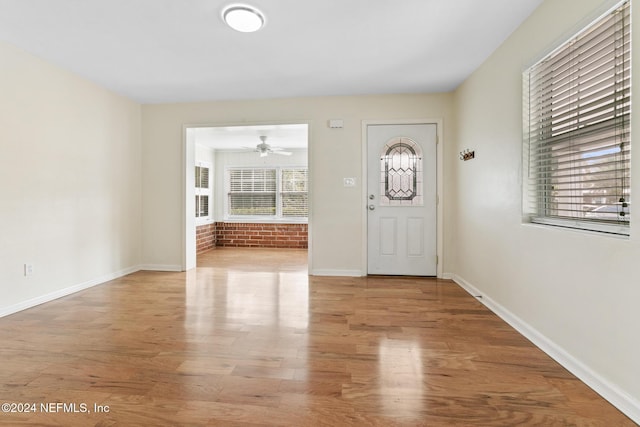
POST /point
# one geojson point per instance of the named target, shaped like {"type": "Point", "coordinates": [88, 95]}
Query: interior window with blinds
{"type": "Point", "coordinates": [577, 143]}
{"type": "Point", "coordinates": [252, 192]}
{"type": "Point", "coordinates": [294, 193]}
{"type": "Point", "coordinates": [202, 191]}
{"type": "Point", "coordinates": [275, 193]}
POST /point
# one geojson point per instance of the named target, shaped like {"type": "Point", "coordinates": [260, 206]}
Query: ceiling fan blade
{"type": "Point", "coordinates": [282, 153]}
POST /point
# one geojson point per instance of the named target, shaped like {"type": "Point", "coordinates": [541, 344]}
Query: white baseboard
{"type": "Point", "coordinates": [160, 267]}
{"type": "Point", "coordinates": [5, 311]}
{"type": "Point", "coordinates": [336, 273]}
{"type": "Point", "coordinates": [357, 273]}
{"type": "Point", "coordinates": [626, 403]}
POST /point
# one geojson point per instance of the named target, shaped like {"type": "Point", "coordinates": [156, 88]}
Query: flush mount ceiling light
{"type": "Point", "coordinates": [243, 18]}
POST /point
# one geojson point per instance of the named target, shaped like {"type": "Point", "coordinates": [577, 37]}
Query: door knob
{"type": "Point", "coordinates": [372, 207]}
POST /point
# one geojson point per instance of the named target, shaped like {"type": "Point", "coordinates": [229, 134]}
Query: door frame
{"type": "Point", "coordinates": [188, 225]}
{"type": "Point", "coordinates": [439, 185]}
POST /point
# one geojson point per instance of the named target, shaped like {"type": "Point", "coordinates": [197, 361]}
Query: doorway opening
{"type": "Point", "coordinates": [245, 186]}
{"type": "Point", "coordinates": [402, 223]}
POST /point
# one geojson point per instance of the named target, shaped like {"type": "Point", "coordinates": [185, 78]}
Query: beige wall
{"type": "Point", "coordinates": [337, 212]}
{"type": "Point", "coordinates": [577, 292]}
{"type": "Point", "coordinates": [70, 181]}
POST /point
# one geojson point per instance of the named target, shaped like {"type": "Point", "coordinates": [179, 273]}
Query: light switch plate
{"type": "Point", "coordinates": [349, 182]}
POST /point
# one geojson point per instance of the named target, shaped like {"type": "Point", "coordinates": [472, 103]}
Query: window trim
{"type": "Point", "coordinates": [596, 227]}
{"type": "Point", "coordinates": [531, 210]}
{"type": "Point", "coordinates": [201, 191]}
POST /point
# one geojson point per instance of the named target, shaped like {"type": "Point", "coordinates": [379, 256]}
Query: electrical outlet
{"type": "Point", "coordinates": [28, 269]}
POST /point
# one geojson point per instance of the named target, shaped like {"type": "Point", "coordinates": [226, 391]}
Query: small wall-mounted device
{"type": "Point", "coordinates": [336, 123]}
{"type": "Point", "coordinates": [28, 269]}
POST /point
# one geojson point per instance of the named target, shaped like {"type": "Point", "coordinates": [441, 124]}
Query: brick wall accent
{"type": "Point", "coordinates": [261, 235]}
{"type": "Point", "coordinates": [205, 237]}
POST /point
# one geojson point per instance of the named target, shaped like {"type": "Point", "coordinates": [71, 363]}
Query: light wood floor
{"type": "Point", "coordinates": [249, 339]}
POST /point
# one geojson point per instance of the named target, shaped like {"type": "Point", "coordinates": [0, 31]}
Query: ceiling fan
{"type": "Point", "coordinates": [265, 149]}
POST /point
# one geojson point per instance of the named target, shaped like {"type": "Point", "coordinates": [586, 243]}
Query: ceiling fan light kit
{"type": "Point", "coordinates": [265, 149]}
{"type": "Point", "coordinates": [243, 18]}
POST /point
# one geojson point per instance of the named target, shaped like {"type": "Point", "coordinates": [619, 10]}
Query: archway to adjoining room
{"type": "Point", "coordinates": [245, 186]}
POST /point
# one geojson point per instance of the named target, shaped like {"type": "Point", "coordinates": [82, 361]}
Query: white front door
{"type": "Point", "coordinates": [401, 199]}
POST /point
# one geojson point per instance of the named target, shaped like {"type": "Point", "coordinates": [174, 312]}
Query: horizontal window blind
{"type": "Point", "coordinates": [202, 177]}
{"type": "Point", "coordinates": [202, 206]}
{"type": "Point", "coordinates": [273, 192]}
{"type": "Point", "coordinates": [294, 197]}
{"type": "Point", "coordinates": [578, 104]}
{"type": "Point", "coordinates": [252, 192]}
{"type": "Point", "coordinates": [202, 192]}
{"type": "Point", "coordinates": [252, 204]}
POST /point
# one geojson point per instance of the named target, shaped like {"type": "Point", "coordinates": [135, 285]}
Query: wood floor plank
{"type": "Point", "coordinates": [249, 339]}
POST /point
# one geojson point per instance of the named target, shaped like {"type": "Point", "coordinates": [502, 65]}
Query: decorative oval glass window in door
{"type": "Point", "coordinates": [401, 173]}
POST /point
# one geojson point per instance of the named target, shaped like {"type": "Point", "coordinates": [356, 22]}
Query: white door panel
{"type": "Point", "coordinates": [401, 190]}
{"type": "Point", "coordinates": [415, 242]}
{"type": "Point", "coordinates": [388, 236]}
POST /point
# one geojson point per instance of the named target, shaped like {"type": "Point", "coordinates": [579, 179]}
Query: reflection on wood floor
{"type": "Point", "coordinates": [248, 339]}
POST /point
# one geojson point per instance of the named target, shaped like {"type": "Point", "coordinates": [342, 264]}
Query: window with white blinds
{"type": "Point", "coordinates": [276, 193]}
{"type": "Point", "coordinates": [202, 177]}
{"type": "Point", "coordinates": [294, 193]}
{"type": "Point", "coordinates": [202, 206]}
{"type": "Point", "coordinates": [577, 145]}
{"type": "Point", "coordinates": [252, 192]}
{"type": "Point", "coordinates": [202, 191]}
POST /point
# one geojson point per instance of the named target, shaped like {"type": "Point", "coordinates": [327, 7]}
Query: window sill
{"type": "Point", "coordinates": [258, 220]}
{"type": "Point", "coordinates": [204, 221]}
{"type": "Point", "coordinates": [611, 230]}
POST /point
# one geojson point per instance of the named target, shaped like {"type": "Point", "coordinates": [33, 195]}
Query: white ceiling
{"type": "Point", "coordinates": [157, 51]}
{"type": "Point", "coordinates": [235, 138]}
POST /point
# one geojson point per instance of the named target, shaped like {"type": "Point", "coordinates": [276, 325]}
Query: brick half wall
{"type": "Point", "coordinates": [258, 235]}
{"type": "Point", "coordinates": [205, 237]}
